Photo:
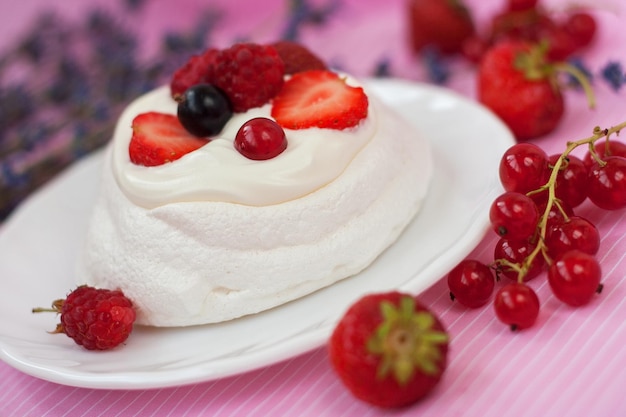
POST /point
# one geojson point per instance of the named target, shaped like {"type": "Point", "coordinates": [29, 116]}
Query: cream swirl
{"type": "Point", "coordinates": [218, 172]}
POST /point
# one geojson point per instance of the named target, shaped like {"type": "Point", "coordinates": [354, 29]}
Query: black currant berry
{"type": "Point", "coordinates": [204, 110]}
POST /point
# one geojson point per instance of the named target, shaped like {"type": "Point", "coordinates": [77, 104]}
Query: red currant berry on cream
{"type": "Point", "coordinates": [260, 138]}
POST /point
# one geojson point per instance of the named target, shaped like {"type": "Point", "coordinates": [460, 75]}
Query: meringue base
{"type": "Point", "coordinates": [191, 263]}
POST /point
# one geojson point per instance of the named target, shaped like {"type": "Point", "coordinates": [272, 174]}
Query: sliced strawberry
{"type": "Point", "coordinates": [319, 98]}
{"type": "Point", "coordinates": [159, 138]}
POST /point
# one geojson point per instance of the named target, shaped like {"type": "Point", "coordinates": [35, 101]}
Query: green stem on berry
{"type": "Point", "coordinates": [535, 66]}
{"type": "Point", "coordinates": [581, 78]}
{"type": "Point", "coordinates": [592, 149]}
{"type": "Point", "coordinates": [559, 206]}
{"type": "Point", "coordinates": [550, 187]}
{"type": "Point", "coordinates": [520, 269]}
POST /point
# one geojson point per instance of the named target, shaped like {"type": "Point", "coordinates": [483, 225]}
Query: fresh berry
{"type": "Point", "coordinates": [260, 138]}
{"type": "Point", "coordinates": [561, 45]}
{"type": "Point", "coordinates": [514, 216]}
{"type": "Point", "coordinates": [571, 180]}
{"type": "Point", "coordinates": [582, 27]}
{"type": "Point", "coordinates": [604, 149]}
{"type": "Point", "coordinates": [511, 254]}
{"type": "Point", "coordinates": [517, 305]}
{"type": "Point", "coordinates": [574, 233]}
{"type": "Point", "coordinates": [471, 283]}
{"type": "Point", "coordinates": [564, 241]}
{"type": "Point", "coordinates": [515, 69]}
{"type": "Point", "coordinates": [389, 350]}
{"type": "Point", "coordinates": [523, 168]}
{"type": "Point", "coordinates": [319, 99]}
{"type": "Point", "coordinates": [563, 34]}
{"type": "Point", "coordinates": [249, 74]}
{"type": "Point", "coordinates": [575, 277]}
{"type": "Point", "coordinates": [204, 110]}
{"type": "Point", "coordinates": [519, 22]}
{"type": "Point", "coordinates": [97, 319]}
{"type": "Point", "coordinates": [297, 57]}
{"type": "Point", "coordinates": [160, 138]}
{"type": "Point", "coordinates": [559, 212]}
{"type": "Point", "coordinates": [197, 70]}
{"type": "Point", "coordinates": [606, 184]}
{"type": "Point", "coordinates": [443, 25]}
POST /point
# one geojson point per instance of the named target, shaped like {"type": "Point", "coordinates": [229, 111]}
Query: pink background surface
{"type": "Point", "coordinates": [572, 363]}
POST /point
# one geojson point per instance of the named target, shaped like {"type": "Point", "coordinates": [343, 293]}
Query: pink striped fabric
{"type": "Point", "coordinates": [572, 363]}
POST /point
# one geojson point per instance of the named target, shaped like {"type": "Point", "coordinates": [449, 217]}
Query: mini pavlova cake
{"type": "Point", "coordinates": [257, 177]}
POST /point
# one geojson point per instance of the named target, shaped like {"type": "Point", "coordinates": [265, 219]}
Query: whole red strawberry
{"type": "Point", "coordinates": [97, 319]}
{"type": "Point", "coordinates": [518, 83]}
{"type": "Point", "coordinates": [389, 350]}
{"type": "Point", "coordinates": [443, 24]}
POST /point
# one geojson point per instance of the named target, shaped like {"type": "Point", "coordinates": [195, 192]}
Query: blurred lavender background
{"type": "Point", "coordinates": [67, 69]}
{"type": "Point", "coordinates": [64, 80]}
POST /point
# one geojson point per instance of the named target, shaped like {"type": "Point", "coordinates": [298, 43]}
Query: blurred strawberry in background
{"type": "Point", "coordinates": [441, 24]}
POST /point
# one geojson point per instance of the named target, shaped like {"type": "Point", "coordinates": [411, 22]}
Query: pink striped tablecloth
{"type": "Point", "coordinates": [572, 363]}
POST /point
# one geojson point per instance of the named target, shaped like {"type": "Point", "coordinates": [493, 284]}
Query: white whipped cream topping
{"type": "Point", "coordinates": [218, 172]}
{"type": "Point", "coordinates": [198, 262]}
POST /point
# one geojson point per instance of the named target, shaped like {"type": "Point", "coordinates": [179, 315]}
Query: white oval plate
{"type": "Point", "coordinates": [39, 244]}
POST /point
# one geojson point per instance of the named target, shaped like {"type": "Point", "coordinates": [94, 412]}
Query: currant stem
{"type": "Point", "coordinates": [558, 205]}
{"type": "Point", "coordinates": [550, 186]}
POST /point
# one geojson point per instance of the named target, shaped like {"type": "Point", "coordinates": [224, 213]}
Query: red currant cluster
{"type": "Point", "coordinates": [539, 230]}
{"type": "Point", "coordinates": [527, 20]}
